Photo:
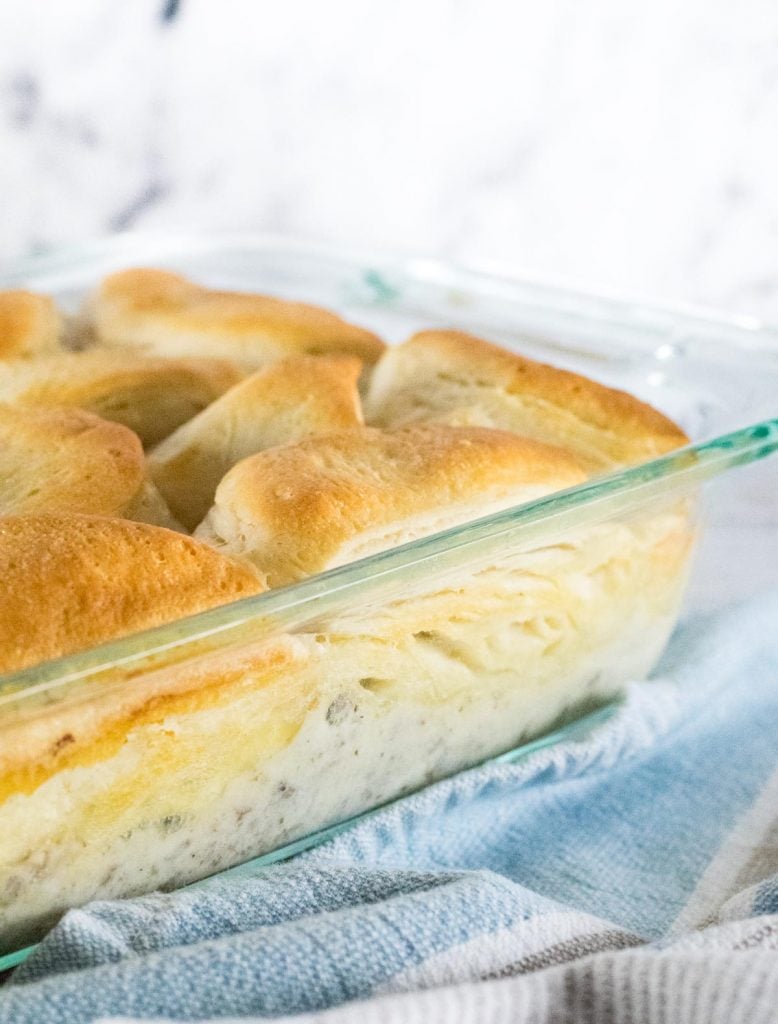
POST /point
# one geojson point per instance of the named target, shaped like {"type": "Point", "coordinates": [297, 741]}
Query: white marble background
{"type": "Point", "coordinates": [629, 146]}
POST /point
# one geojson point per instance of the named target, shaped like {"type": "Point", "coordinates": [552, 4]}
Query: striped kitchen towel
{"type": "Point", "coordinates": [628, 875]}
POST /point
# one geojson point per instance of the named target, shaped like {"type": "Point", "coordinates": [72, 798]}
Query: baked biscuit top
{"type": "Point", "coordinates": [458, 378]}
{"type": "Point", "coordinates": [82, 580]}
{"type": "Point", "coordinates": [30, 324]}
{"type": "Point", "coordinates": [165, 313]}
{"type": "Point", "coordinates": [299, 509]}
{"type": "Point", "coordinates": [240, 417]}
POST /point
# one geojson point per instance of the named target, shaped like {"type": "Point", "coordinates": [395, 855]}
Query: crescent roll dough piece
{"type": "Point", "coordinates": [30, 324]}
{"type": "Point", "coordinates": [449, 376]}
{"type": "Point", "coordinates": [150, 396]}
{"type": "Point", "coordinates": [282, 403]}
{"type": "Point", "coordinates": [332, 499]}
{"type": "Point", "coordinates": [69, 460]}
{"type": "Point", "coordinates": [166, 314]}
{"type": "Point", "coordinates": [81, 580]}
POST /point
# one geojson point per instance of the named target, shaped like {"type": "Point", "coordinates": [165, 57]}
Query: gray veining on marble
{"type": "Point", "coordinates": [629, 146]}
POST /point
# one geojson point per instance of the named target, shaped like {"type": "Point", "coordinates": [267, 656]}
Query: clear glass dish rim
{"type": "Point", "coordinates": [744, 330]}
{"type": "Point", "coordinates": [328, 592]}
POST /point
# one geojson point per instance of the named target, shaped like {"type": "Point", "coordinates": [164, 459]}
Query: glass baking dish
{"type": "Point", "coordinates": [257, 728]}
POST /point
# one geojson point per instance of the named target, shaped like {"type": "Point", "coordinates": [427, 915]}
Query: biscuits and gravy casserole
{"type": "Point", "coordinates": [175, 449]}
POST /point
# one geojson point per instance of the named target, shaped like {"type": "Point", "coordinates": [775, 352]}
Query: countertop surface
{"type": "Point", "coordinates": [625, 147]}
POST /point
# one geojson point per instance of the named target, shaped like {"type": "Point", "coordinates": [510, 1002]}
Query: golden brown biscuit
{"type": "Point", "coordinates": [149, 395]}
{"type": "Point", "coordinates": [73, 581]}
{"type": "Point", "coordinates": [29, 324]}
{"type": "Point", "coordinates": [329, 500]}
{"type": "Point", "coordinates": [69, 460]}
{"type": "Point", "coordinates": [449, 376]}
{"type": "Point", "coordinates": [280, 404]}
{"type": "Point", "coordinates": [166, 314]}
